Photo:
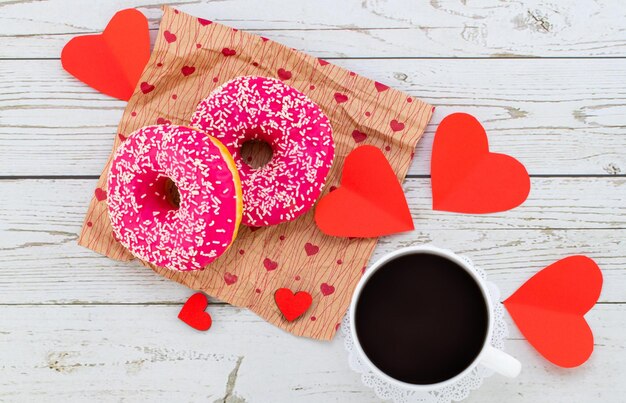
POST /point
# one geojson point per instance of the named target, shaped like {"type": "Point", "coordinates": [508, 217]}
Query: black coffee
{"type": "Point", "coordinates": [421, 319]}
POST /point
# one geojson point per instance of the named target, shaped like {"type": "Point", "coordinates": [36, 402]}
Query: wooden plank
{"type": "Point", "coordinates": [441, 28]}
{"type": "Point", "coordinates": [557, 116]}
{"type": "Point", "coordinates": [52, 353]}
{"type": "Point", "coordinates": [42, 264]}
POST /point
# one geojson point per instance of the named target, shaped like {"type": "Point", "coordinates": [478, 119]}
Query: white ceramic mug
{"type": "Point", "coordinates": [489, 356]}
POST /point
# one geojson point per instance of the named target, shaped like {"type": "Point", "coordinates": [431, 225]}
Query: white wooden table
{"type": "Point", "coordinates": [547, 78]}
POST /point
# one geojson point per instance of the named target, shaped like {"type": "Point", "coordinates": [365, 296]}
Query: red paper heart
{"type": "Point", "coordinates": [204, 22]}
{"type": "Point", "coordinates": [146, 87]}
{"type": "Point", "coordinates": [380, 87]}
{"type": "Point", "coordinates": [193, 314]}
{"type": "Point", "coordinates": [169, 37]}
{"type": "Point", "coordinates": [370, 201]}
{"type": "Point", "coordinates": [113, 61]}
{"type": "Point", "coordinates": [466, 177]}
{"type": "Point", "coordinates": [549, 309]}
{"type": "Point", "coordinates": [291, 305]}
{"type": "Point", "coordinates": [229, 52]}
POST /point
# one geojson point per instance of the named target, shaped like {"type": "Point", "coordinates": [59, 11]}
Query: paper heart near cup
{"type": "Point", "coordinates": [193, 312]}
{"type": "Point", "coordinates": [467, 177]}
{"type": "Point", "coordinates": [113, 61]}
{"type": "Point", "coordinates": [549, 309]}
{"type": "Point", "coordinates": [370, 201]}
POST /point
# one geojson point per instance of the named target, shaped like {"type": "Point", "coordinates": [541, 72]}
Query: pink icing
{"type": "Point", "coordinates": [151, 227]}
{"type": "Point", "coordinates": [265, 109]}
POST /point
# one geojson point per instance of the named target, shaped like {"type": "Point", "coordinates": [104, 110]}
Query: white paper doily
{"type": "Point", "coordinates": [455, 392]}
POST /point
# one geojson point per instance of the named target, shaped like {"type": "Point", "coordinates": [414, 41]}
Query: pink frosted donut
{"type": "Point", "coordinates": [148, 222]}
{"type": "Point", "coordinates": [299, 133]}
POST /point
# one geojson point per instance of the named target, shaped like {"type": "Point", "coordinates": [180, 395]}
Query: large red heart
{"type": "Point", "coordinates": [291, 305]}
{"type": "Point", "coordinates": [113, 61]}
{"type": "Point", "coordinates": [370, 201]}
{"type": "Point", "coordinates": [549, 309]}
{"type": "Point", "coordinates": [193, 314]}
{"type": "Point", "coordinates": [466, 177]}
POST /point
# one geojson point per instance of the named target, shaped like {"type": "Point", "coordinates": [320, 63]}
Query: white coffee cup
{"type": "Point", "coordinates": [488, 356]}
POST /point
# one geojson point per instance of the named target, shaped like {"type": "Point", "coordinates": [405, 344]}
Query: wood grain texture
{"type": "Point", "coordinates": [41, 263]}
{"type": "Point", "coordinates": [370, 28]}
{"type": "Point", "coordinates": [556, 116]}
{"type": "Point", "coordinates": [113, 353]}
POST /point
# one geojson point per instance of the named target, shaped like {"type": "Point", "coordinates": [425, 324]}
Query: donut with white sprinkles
{"type": "Point", "coordinates": [181, 233]}
{"type": "Point", "coordinates": [299, 133]}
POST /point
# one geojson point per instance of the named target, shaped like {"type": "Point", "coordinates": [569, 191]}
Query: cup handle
{"type": "Point", "coordinates": [500, 362]}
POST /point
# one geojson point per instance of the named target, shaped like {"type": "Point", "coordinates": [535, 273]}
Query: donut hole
{"type": "Point", "coordinates": [256, 153]}
{"type": "Point", "coordinates": [171, 193]}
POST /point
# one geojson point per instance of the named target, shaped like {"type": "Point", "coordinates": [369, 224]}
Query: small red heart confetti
{"type": "Point", "coordinates": [291, 305]}
{"type": "Point", "coordinates": [187, 70]}
{"type": "Point", "coordinates": [169, 37]}
{"type": "Point", "coordinates": [230, 278]}
{"type": "Point", "coordinates": [146, 87]}
{"type": "Point", "coordinates": [284, 74]}
{"type": "Point", "coordinates": [163, 121]}
{"type": "Point", "coordinates": [100, 194]}
{"type": "Point", "coordinates": [340, 98]}
{"type": "Point", "coordinates": [358, 136]}
{"type": "Point", "coordinates": [193, 312]}
{"type": "Point", "coordinates": [380, 87]}
{"type": "Point", "coordinates": [121, 136]}
{"type": "Point", "coordinates": [311, 249]}
{"type": "Point", "coordinates": [229, 52]}
{"type": "Point", "coordinates": [327, 289]}
{"type": "Point", "coordinates": [466, 177]}
{"type": "Point", "coordinates": [204, 22]}
{"type": "Point", "coordinates": [549, 309]}
{"type": "Point", "coordinates": [322, 62]}
{"type": "Point", "coordinates": [396, 126]}
{"type": "Point", "coordinates": [270, 264]}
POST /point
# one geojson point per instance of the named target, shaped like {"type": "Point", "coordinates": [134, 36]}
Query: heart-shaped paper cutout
{"type": "Point", "coordinates": [291, 305]}
{"type": "Point", "coordinates": [193, 312]}
{"type": "Point", "coordinates": [370, 201]}
{"type": "Point", "coordinates": [549, 309]}
{"type": "Point", "coordinates": [113, 61]}
{"type": "Point", "coordinates": [466, 177]}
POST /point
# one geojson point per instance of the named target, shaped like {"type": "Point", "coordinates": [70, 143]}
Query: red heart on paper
{"type": "Point", "coordinates": [100, 194]}
{"type": "Point", "coordinates": [229, 52]}
{"type": "Point", "coordinates": [326, 289]}
{"type": "Point", "coordinates": [466, 177]}
{"type": "Point", "coordinates": [270, 264]}
{"type": "Point", "coordinates": [204, 22]}
{"type": "Point", "coordinates": [193, 312]}
{"type": "Point", "coordinates": [230, 278]}
{"type": "Point", "coordinates": [291, 305]}
{"type": "Point", "coordinates": [549, 309]}
{"type": "Point", "coordinates": [340, 98]}
{"type": "Point", "coordinates": [370, 201]}
{"type": "Point", "coordinates": [358, 136]}
{"type": "Point", "coordinates": [284, 74]}
{"type": "Point", "coordinates": [187, 70]}
{"type": "Point", "coordinates": [380, 87]}
{"type": "Point", "coordinates": [113, 61]}
{"type": "Point", "coordinates": [169, 37]}
{"type": "Point", "coordinates": [396, 126]}
{"type": "Point", "coordinates": [311, 249]}
{"type": "Point", "coordinates": [322, 62]}
{"type": "Point", "coordinates": [146, 87]}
